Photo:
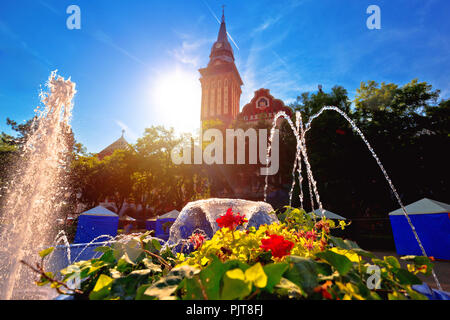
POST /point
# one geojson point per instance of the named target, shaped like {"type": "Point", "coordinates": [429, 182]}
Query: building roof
{"type": "Point", "coordinates": [119, 144]}
{"type": "Point", "coordinates": [271, 106]}
{"type": "Point", "coordinates": [423, 206]}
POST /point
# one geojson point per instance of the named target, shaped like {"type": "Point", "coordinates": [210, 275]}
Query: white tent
{"type": "Point", "coordinates": [99, 211]}
{"type": "Point", "coordinates": [96, 222]}
{"type": "Point", "coordinates": [430, 219]}
{"type": "Point", "coordinates": [170, 215]}
{"type": "Point", "coordinates": [127, 218]}
{"type": "Point", "coordinates": [424, 206]}
{"type": "Point", "coordinates": [328, 214]}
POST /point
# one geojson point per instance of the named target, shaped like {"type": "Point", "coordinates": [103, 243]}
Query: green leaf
{"type": "Point", "coordinates": [43, 280]}
{"type": "Point", "coordinates": [108, 257]}
{"type": "Point", "coordinates": [161, 291]}
{"type": "Point", "coordinates": [103, 249]}
{"type": "Point", "coordinates": [126, 287]}
{"type": "Point", "coordinates": [340, 262]}
{"type": "Point", "coordinates": [351, 244]}
{"type": "Point", "coordinates": [140, 293]}
{"type": "Point", "coordinates": [124, 264]}
{"type": "Point", "coordinates": [232, 264]}
{"type": "Point", "coordinates": [156, 244]}
{"type": "Point", "coordinates": [102, 288]}
{"type": "Point", "coordinates": [193, 289]}
{"type": "Point", "coordinates": [144, 235]}
{"type": "Point", "coordinates": [339, 242]}
{"type": "Point", "coordinates": [256, 275]}
{"type": "Point", "coordinates": [274, 272]}
{"type": "Point", "coordinates": [380, 262]}
{"type": "Point", "coordinates": [363, 253]}
{"type": "Point", "coordinates": [132, 248]}
{"type": "Point", "coordinates": [406, 278]}
{"type": "Point", "coordinates": [46, 252]}
{"type": "Point", "coordinates": [324, 269]}
{"type": "Point", "coordinates": [95, 267]}
{"type": "Point", "coordinates": [414, 295]}
{"type": "Point", "coordinates": [392, 261]}
{"type": "Point", "coordinates": [211, 277]}
{"type": "Point", "coordinates": [396, 296]}
{"type": "Point", "coordinates": [140, 272]}
{"type": "Point", "coordinates": [235, 286]}
{"type": "Point", "coordinates": [302, 272]}
{"type": "Point", "coordinates": [287, 287]}
{"type": "Point", "coordinates": [164, 288]}
{"type": "Point", "coordinates": [151, 266]}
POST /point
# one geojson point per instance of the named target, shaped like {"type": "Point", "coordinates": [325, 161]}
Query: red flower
{"type": "Point", "coordinates": [311, 235]}
{"type": "Point", "coordinates": [231, 221]}
{"type": "Point", "coordinates": [323, 224]}
{"type": "Point", "coordinates": [197, 240]}
{"type": "Point", "coordinates": [301, 234]}
{"type": "Point", "coordinates": [323, 290]}
{"type": "Point", "coordinates": [323, 244]}
{"type": "Point", "coordinates": [308, 245]}
{"type": "Point", "coordinates": [424, 268]}
{"type": "Point", "coordinates": [278, 245]}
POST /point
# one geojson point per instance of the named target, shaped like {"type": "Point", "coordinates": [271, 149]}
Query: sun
{"type": "Point", "coordinates": [177, 97]}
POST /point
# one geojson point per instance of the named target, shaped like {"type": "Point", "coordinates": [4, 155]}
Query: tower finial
{"type": "Point", "coordinates": [123, 132]}
{"type": "Point", "coordinates": [223, 13]}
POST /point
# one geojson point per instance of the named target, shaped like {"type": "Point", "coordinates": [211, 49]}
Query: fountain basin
{"type": "Point", "coordinates": [202, 215]}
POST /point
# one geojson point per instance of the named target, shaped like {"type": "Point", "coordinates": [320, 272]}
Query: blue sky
{"type": "Point", "coordinates": [128, 54]}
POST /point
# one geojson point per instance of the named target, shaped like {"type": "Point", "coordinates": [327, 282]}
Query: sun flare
{"type": "Point", "coordinates": [177, 96]}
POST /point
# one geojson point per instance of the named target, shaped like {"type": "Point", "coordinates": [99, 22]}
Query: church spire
{"type": "Point", "coordinates": [223, 13]}
{"type": "Point", "coordinates": [222, 37]}
{"type": "Point", "coordinates": [222, 48]}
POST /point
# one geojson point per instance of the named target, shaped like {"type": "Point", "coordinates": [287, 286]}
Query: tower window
{"type": "Point", "coordinates": [225, 97]}
{"type": "Point", "coordinates": [219, 97]}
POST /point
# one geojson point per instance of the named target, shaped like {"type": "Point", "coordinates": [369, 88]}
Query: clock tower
{"type": "Point", "coordinates": [220, 81]}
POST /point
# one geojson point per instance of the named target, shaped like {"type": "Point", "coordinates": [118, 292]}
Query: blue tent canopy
{"type": "Point", "coordinates": [94, 223]}
{"type": "Point", "coordinates": [431, 220]}
{"type": "Point", "coordinates": [150, 224]}
{"type": "Point", "coordinates": [161, 230]}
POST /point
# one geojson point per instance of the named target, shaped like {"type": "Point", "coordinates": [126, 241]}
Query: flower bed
{"type": "Point", "coordinates": [295, 259]}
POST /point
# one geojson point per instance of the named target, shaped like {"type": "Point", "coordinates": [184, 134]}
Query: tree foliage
{"type": "Point", "coordinates": [143, 174]}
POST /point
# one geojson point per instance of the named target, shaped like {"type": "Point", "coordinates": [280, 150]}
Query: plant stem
{"type": "Point", "coordinates": [205, 296]}
{"type": "Point", "coordinates": [161, 259]}
{"type": "Point", "coordinates": [41, 271]}
{"type": "Point", "coordinates": [253, 294]}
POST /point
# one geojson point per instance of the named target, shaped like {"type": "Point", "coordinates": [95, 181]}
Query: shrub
{"type": "Point", "coordinates": [294, 259]}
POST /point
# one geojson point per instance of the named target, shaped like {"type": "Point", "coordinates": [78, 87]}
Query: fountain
{"type": "Point", "coordinates": [300, 131]}
{"type": "Point", "coordinates": [36, 191]}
